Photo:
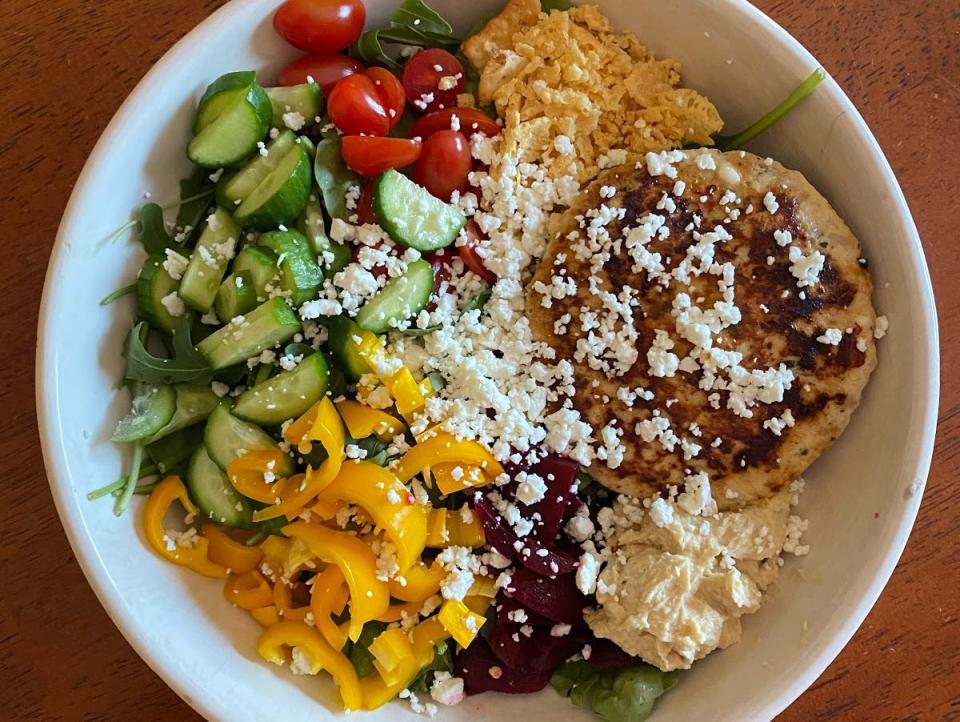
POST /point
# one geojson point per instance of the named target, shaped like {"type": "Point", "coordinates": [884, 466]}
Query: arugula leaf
{"type": "Point", "coordinates": [413, 23]}
{"type": "Point", "coordinates": [152, 230]}
{"type": "Point", "coordinates": [119, 293]}
{"type": "Point", "coordinates": [442, 662]}
{"type": "Point", "coordinates": [477, 302]}
{"type": "Point", "coordinates": [799, 94]}
{"type": "Point", "coordinates": [196, 192]}
{"type": "Point", "coordinates": [418, 14]}
{"type": "Point", "coordinates": [187, 365]}
{"type": "Point", "coordinates": [548, 5]}
{"type": "Point", "coordinates": [173, 449]}
{"type": "Point", "coordinates": [376, 449]}
{"type": "Point", "coordinates": [359, 654]}
{"type": "Point", "coordinates": [333, 177]}
{"type": "Point", "coordinates": [613, 695]}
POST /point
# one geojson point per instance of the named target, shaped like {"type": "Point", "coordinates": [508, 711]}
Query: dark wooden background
{"type": "Point", "coordinates": [65, 66]}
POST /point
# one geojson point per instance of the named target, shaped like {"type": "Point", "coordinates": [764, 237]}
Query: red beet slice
{"type": "Point", "coordinates": [539, 559]}
{"type": "Point", "coordinates": [475, 663]}
{"type": "Point", "coordinates": [559, 501]}
{"type": "Point", "coordinates": [537, 653]}
{"type": "Point", "coordinates": [557, 599]}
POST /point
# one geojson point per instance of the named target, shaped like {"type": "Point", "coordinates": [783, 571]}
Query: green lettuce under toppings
{"type": "Point", "coordinates": [613, 695]}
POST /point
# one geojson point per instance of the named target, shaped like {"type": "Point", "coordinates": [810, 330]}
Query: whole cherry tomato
{"type": "Point", "coordinates": [468, 252]}
{"type": "Point", "coordinates": [390, 90]}
{"type": "Point", "coordinates": [444, 164]}
{"type": "Point", "coordinates": [355, 106]}
{"type": "Point", "coordinates": [370, 156]}
{"type": "Point", "coordinates": [320, 26]}
{"type": "Point", "coordinates": [365, 212]}
{"type": "Point", "coordinates": [325, 70]}
{"type": "Point", "coordinates": [433, 79]}
{"type": "Point", "coordinates": [470, 121]}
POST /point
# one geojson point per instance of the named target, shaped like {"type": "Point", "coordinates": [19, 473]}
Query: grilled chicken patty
{"type": "Point", "coordinates": [778, 274]}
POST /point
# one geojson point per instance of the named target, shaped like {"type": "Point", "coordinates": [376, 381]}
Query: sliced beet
{"type": "Point", "coordinates": [475, 663]}
{"type": "Point", "coordinates": [545, 562]}
{"type": "Point", "coordinates": [559, 501]}
{"type": "Point", "coordinates": [557, 599]}
{"type": "Point", "coordinates": [607, 655]}
{"type": "Point", "coordinates": [537, 653]}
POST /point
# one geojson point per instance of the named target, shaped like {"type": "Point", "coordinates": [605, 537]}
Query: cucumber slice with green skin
{"type": "Point", "coordinates": [226, 437]}
{"type": "Point", "coordinates": [282, 195]}
{"type": "Point", "coordinates": [231, 124]}
{"type": "Point", "coordinates": [233, 189]}
{"type": "Point", "coordinates": [287, 395]}
{"type": "Point", "coordinates": [153, 285]}
{"type": "Point", "coordinates": [264, 327]}
{"type": "Point", "coordinates": [305, 99]}
{"type": "Point", "coordinates": [261, 264]}
{"type": "Point", "coordinates": [412, 216]}
{"type": "Point", "coordinates": [208, 262]}
{"type": "Point", "coordinates": [402, 298]}
{"type": "Point", "coordinates": [236, 296]}
{"type": "Point", "coordinates": [220, 94]}
{"type": "Point", "coordinates": [171, 451]}
{"type": "Point", "coordinates": [311, 225]}
{"type": "Point", "coordinates": [151, 409]}
{"type": "Point", "coordinates": [213, 493]}
{"type": "Point", "coordinates": [299, 273]}
{"type": "Point", "coordinates": [340, 333]}
{"type": "Point", "coordinates": [194, 403]}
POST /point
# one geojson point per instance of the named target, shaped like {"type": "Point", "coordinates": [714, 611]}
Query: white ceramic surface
{"type": "Point", "coordinates": [862, 496]}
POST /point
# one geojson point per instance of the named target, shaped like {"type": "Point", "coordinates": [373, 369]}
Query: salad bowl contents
{"type": "Point", "coordinates": [485, 362]}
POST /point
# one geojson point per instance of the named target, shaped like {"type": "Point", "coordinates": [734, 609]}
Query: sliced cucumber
{"type": "Point", "coordinates": [193, 404]}
{"type": "Point", "coordinates": [236, 296]}
{"type": "Point", "coordinates": [261, 264]}
{"type": "Point", "coordinates": [299, 273]}
{"type": "Point", "coordinates": [151, 409]}
{"type": "Point", "coordinates": [171, 451]}
{"type": "Point", "coordinates": [226, 437]}
{"type": "Point", "coordinates": [208, 262]}
{"type": "Point", "coordinates": [402, 298]}
{"type": "Point", "coordinates": [233, 189]}
{"type": "Point", "coordinates": [234, 115]}
{"type": "Point", "coordinates": [153, 285]}
{"type": "Point", "coordinates": [213, 493]}
{"type": "Point", "coordinates": [305, 99]}
{"type": "Point", "coordinates": [341, 333]}
{"type": "Point", "coordinates": [311, 225]}
{"type": "Point", "coordinates": [412, 216]}
{"type": "Point", "coordinates": [265, 326]}
{"type": "Point", "coordinates": [282, 195]}
{"type": "Point", "coordinates": [286, 395]}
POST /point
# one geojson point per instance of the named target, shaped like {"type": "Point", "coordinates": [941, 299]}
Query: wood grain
{"type": "Point", "coordinates": [65, 66]}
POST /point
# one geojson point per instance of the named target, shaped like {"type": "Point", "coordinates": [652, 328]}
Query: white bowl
{"type": "Point", "coordinates": [862, 495]}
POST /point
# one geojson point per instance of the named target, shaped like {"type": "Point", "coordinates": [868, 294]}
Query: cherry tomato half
{"type": "Point", "coordinates": [390, 90]}
{"type": "Point", "coordinates": [441, 269]}
{"type": "Point", "coordinates": [365, 212]}
{"type": "Point", "coordinates": [468, 252]}
{"type": "Point", "coordinates": [325, 70]}
{"type": "Point", "coordinates": [471, 121]}
{"type": "Point", "coordinates": [320, 26]}
{"type": "Point", "coordinates": [444, 164]}
{"type": "Point", "coordinates": [370, 156]}
{"type": "Point", "coordinates": [433, 79]}
{"type": "Point", "coordinates": [355, 107]}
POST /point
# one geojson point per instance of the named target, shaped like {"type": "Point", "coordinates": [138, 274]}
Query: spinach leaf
{"type": "Point", "coordinates": [376, 449]}
{"type": "Point", "coordinates": [119, 293]}
{"type": "Point", "coordinates": [187, 365]}
{"type": "Point", "coordinates": [414, 23]}
{"type": "Point", "coordinates": [152, 230]}
{"type": "Point", "coordinates": [613, 695]}
{"type": "Point", "coordinates": [359, 653]}
{"type": "Point", "coordinates": [442, 662]}
{"type": "Point", "coordinates": [196, 192]}
{"type": "Point", "coordinates": [173, 449]}
{"type": "Point", "coordinates": [333, 177]}
{"type": "Point", "coordinates": [477, 302]}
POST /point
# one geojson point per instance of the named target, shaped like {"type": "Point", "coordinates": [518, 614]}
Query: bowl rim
{"type": "Point", "coordinates": [96, 572]}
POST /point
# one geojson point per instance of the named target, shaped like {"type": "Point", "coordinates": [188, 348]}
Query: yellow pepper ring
{"type": "Point", "coordinates": [234, 555]}
{"type": "Point", "coordinates": [442, 447]}
{"type": "Point", "coordinates": [249, 590]}
{"type": "Point", "coordinates": [194, 557]}
{"type": "Point", "coordinates": [362, 421]}
{"type": "Point", "coordinates": [369, 597]}
{"type": "Point", "coordinates": [247, 474]}
{"type": "Point", "coordinates": [388, 502]}
{"type": "Point", "coordinates": [329, 597]}
{"type": "Point", "coordinates": [318, 652]}
{"type": "Point", "coordinates": [421, 583]}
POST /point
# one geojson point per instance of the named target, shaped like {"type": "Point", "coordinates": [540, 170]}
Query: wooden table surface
{"type": "Point", "coordinates": [65, 66]}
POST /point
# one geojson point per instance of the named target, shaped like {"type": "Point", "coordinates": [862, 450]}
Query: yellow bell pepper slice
{"type": "Point", "coordinates": [478, 604]}
{"type": "Point", "coordinates": [400, 383]}
{"type": "Point", "coordinates": [318, 653]}
{"type": "Point", "coordinates": [450, 478]}
{"type": "Point", "coordinates": [235, 556]}
{"type": "Point", "coordinates": [369, 597]}
{"type": "Point", "coordinates": [196, 557]}
{"type": "Point", "coordinates": [362, 421]}
{"type": "Point", "coordinates": [442, 447]}
{"type": "Point", "coordinates": [249, 472]}
{"type": "Point", "coordinates": [483, 587]}
{"type": "Point", "coordinates": [295, 494]}
{"type": "Point", "coordinates": [391, 506]}
{"type": "Point", "coordinates": [447, 528]}
{"type": "Point", "coordinates": [424, 637]}
{"type": "Point", "coordinates": [438, 535]}
{"type": "Point", "coordinates": [397, 612]}
{"type": "Point", "coordinates": [283, 601]}
{"type": "Point", "coordinates": [422, 582]}
{"type": "Point", "coordinates": [265, 616]}
{"type": "Point", "coordinates": [457, 619]}
{"type": "Point", "coordinates": [329, 597]}
{"type": "Point", "coordinates": [249, 590]}
{"type": "Point", "coordinates": [390, 649]}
